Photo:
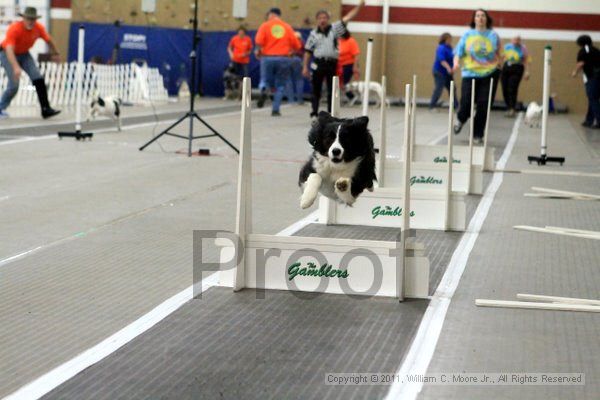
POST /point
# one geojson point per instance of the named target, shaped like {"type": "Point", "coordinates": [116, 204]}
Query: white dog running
{"type": "Point", "coordinates": [108, 106]}
{"type": "Point", "coordinates": [533, 115]}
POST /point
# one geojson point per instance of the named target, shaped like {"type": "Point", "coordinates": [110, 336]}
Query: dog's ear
{"type": "Point", "coordinates": [360, 123]}
{"type": "Point", "coordinates": [325, 118]}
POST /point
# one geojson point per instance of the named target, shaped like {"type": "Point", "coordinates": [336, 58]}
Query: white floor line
{"type": "Point", "coordinates": [21, 255]}
{"type": "Point", "coordinates": [438, 139]}
{"type": "Point", "coordinates": [296, 226]}
{"type": "Point", "coordinates": [421, 351]}
{"type": "Point", "coordinates": [51, 380]}
{"type": "Point", "coordinates": [26, 139]}
{"type": "Point", "coordinates": [59, 375]}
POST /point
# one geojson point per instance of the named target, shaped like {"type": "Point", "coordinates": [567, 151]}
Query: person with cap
{"type": "Point", "coordinates": [322, 45]}
{"type": "Point", "coordinates": [15, 58]}
{"type": "Point", "coordinates": [275, 43]}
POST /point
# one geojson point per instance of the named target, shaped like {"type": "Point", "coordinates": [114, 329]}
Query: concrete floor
{"type": "Point", "coordinates": [95, 234]}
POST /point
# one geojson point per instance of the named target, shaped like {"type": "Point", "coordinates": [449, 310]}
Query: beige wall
{"type": "Point", "coordinates": [59, 29]}
{"type": "Point", "coordinates": [408, 55]}
{"type": "Point", "coordinates": [213, 14]}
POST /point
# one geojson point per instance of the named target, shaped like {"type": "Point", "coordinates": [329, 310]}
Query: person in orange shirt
{"type": "Point", "coordinates": [15, 59]}
{"type": "Point", "coordinates": [348, 60]}
{"type": "Point", "coordinates": [275, 43]}
{"type": "Point", "coordinates": [239, 49]}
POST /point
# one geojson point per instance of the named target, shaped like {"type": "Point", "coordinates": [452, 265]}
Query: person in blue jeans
{"type": "Point", "coordinates": [588, 61]}
{"type": "Point", "coordinates": [15, 59]}
{"type": "Point", "coordinates": [295, 85]}
{"type": "Point", "coordinates": [442, 70]}
{"type": "Point", "coordinates": [275, 42]}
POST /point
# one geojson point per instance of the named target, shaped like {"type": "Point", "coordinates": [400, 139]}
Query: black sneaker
{"type": "Point", "coordinates": [261, 100]}
{"type": "Point", "coordinates": [49, 112]}
{"type": "Point", "coordinates": [586, 124]}
{"type": "Point", "coordinates": [275, 114]}
{"type": "Point", "coordinates": [457, 127]}
{"type": "Point", "coordinates": [596, 126]}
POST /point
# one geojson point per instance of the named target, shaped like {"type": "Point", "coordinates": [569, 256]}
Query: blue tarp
{"type": "Point", "coordinates": [165, 48]}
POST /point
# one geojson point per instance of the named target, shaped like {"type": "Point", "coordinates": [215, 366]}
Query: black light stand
{"type": "Point", "coordinates": [192, 114]}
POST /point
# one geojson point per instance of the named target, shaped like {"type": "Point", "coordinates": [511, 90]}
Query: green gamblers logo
{"type": "Point", "coordinates": [430, 180]}
{"type": "Point", "coordinates": [445, 160]}
{"type": "Point", "coordinates": [388, 211]}
{"type": "Point", "coordinates": [311, 269]}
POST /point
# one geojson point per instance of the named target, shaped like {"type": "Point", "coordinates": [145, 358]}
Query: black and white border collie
{"type": "Point", "coordinates": [343, 161]}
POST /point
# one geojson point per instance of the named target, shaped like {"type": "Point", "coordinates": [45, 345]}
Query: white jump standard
{"type": "Point", "coordinates": [79, 82]}
{"type": "Point", "coordinates": [361, 267]}
{"type": "Point", "coordinates": [543, 158]}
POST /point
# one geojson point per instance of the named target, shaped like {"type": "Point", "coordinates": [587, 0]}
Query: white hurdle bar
{"type": "Point", "coordinates": [471, 137]}
{"type": "Point", "coordinates": [312, 264]}
{"type": "Point", "coordinates": [328, 204]}
{"type": "Point", "coordinates": [485, 165]}
{"type": "Point", "coordinates": [413, 118]}
{"type": "Point", "coordinates": [430, 208]}
{"type": "Point", "coordinates": [367, 82]}
{"type": "Point", "coordinates": [382, 134]}
{"type": "Point", "coordinates": [450, 159]}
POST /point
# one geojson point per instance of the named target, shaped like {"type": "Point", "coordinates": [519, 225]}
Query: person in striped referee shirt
{"type": "Point", "coordinates": [322, 46]}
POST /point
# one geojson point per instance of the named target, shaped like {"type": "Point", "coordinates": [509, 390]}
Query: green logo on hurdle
{"type": "Point", "coordinates": [311, 270]}
{"type": "Point", "coordinates": [443, 159]}
{"type": "Point", "coordinates": [430, 180]}
{"type": "Point", "coordinates": [388, 211]}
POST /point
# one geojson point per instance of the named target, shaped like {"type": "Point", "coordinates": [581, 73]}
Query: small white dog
{"type": "Point", "coordinates": [533, 115]}
{"type": "Point", "coordinates": [108, 106]}
{"type": "Point", "coordinates": [358, 88]}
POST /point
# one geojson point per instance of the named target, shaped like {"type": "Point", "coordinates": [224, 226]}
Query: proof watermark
{"type": "Point", "coordinates": [459, 378]}
{"type": "Point", "coordinates": [304, 269]}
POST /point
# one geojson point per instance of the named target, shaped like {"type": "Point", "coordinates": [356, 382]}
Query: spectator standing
{"type": "Point", "coordinates": [322, 45]}
{"type": "Point", "coordinates": [516, 66]}
{"type": "Point", "coordinates": [239, 49]}
{"type": "Point", "coordinates": [479, 51]}
{"type": "Point", "coordinates": [348, 60]}
{"type": "Point", "coordinates": [295, 85]}
{"type": "Point", "coordinates": [275, 43]}
{"type": "Point", "coordinates": [588, 60]}
{"type": "Point", "coordinates": [442, 70]}
{"type": "Point", "coordinates": [15, 58]}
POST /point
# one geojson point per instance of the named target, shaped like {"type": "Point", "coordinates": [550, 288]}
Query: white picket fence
{"type": "Point", "coordinates": [129, 82]}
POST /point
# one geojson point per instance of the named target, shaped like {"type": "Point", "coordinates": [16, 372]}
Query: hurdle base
{"type": "Point", "coordinates": [543, 159]}
{"type": "Point", "coordinates": [77, 135]}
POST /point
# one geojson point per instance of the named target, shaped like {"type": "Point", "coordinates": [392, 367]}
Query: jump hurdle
{"type": "Point", "coordinates": [325, 265]}
{"type": "Point", "coordinates": [432, 204]}
{"type": "Point", "coordinates": [470, 161]}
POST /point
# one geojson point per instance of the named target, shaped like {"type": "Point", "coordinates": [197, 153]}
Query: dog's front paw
{"type": "Point", "coordinates": [343, 192]}
{"type": "Point", "coordinates": [342, 184]}
{"type": "Point", "coordinates": [307, 201]}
